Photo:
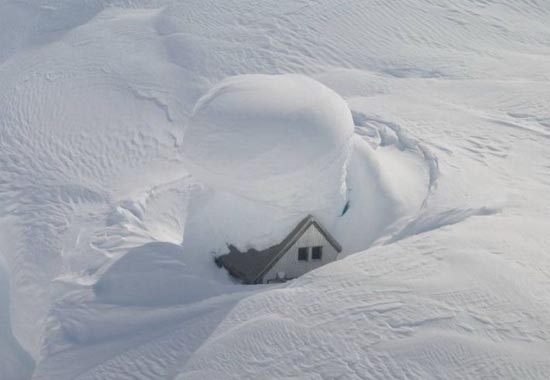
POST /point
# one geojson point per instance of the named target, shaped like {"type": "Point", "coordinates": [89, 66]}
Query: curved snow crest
{"type": "Point", "coordinates": [426, 222]}
{"type": "Point", "coordinates": [391, 133]}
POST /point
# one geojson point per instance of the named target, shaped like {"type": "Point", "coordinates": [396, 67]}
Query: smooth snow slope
{"type": "Point", "coordinates": [452, 95]}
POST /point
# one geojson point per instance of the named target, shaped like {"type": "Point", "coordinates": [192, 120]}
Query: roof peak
{"type": "Point", "coordinates": [253, 264]}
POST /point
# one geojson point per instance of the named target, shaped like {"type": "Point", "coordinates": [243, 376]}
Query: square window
{"type": "Point", "coordinates": [303, 253]}
{"type": "Point", "coordinates": [317, 253]}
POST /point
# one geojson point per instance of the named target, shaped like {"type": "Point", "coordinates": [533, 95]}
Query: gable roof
{"type": "Point", "coordinates": [250, 266]}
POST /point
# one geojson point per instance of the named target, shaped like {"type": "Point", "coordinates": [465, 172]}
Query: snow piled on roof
{"type": "Point", "coordinates": [270, 150]}
{"type": "Point", "coordinates": [282, 139]}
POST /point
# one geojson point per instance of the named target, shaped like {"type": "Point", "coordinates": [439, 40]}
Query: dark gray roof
{"type": "Point", "coordinates": [250, 266]}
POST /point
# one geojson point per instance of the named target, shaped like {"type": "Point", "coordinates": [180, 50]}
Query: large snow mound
{"type": "Point", "coordinates": [253, 134]}
{"type": "Point", "coordinates": [274, 148]}
{"type": "Point", "coordinates": [447, 183]}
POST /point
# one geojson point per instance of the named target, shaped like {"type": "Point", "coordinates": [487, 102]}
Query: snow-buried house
{"type": "Point", "coordinates": [308, 246]}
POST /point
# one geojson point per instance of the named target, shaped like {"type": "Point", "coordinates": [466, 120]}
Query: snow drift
{"type": "Point", "coordinates": [447, 182]}
{"type": "Point", "coordinates": [272, 149]}
{"type": "Point", "coordinates": [280, 139]}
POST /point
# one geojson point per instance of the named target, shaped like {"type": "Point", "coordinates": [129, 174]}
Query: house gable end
{"type": "Point", "coordinates": [293, 237]}
{"type": "Point", "coordinates": [330, 239]}
{"type": "Point", "coordinates": [251, 266]}
{"type": "Point", "coordinates": [290, 265]}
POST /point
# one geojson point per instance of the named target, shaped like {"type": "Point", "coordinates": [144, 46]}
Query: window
{"type": "Point", "coordinates": [317, 253]}
{"type": "Point", "coordinates": [303, 253]}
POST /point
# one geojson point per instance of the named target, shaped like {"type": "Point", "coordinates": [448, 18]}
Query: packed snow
{"type": "Point", "coordinates": [279, 139]}
{"type": "Point", "coordinates": [270, 149]}
{"type": "Point", "coordinates": [137, 138]}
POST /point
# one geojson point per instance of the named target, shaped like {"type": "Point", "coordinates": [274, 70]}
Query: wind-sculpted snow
{"type": "Point", "coordinates": [447, 271]}
{"type": "Point", "coordinates": [273, 148]}
{"type": "Point", "coordinates": [417, 309]}
{"type": "Point", "coordinates": [255, 133]}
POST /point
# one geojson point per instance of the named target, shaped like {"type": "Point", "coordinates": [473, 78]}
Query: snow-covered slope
{"type": "Point", "coordinates": [450, 271]}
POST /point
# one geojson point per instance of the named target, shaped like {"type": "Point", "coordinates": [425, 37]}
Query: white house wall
{"type": "Point", "coordinates": [289, 262]}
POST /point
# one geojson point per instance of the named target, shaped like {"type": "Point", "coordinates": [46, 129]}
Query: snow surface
{"type": "Point", "coordinates": [273, 148]}
{"type": "Point", "coordinates": [447, 268]}
{"type": "Point", "coordinates": [271, 138]}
